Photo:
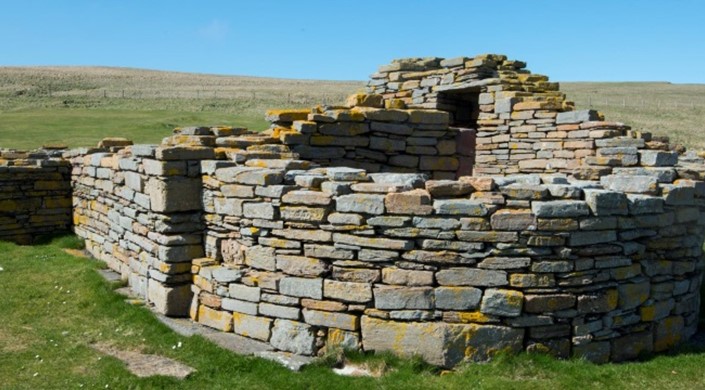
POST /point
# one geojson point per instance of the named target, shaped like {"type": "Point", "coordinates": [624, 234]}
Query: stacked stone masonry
{"type": "Point", "coordinates": [460, 209]}
{"type": "Point", "coordinates": [35, 195]}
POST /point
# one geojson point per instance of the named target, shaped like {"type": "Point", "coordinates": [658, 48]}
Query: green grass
{"type": "Point", "coordinates": [54, 306]}
{"type": "Point", "coordinates": [674, 110]}
{"type": "Point", "coordinates": [31, 128]}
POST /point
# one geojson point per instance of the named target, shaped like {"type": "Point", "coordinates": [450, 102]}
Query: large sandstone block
{"type": "Point", "coordinates": [331, 319]}
{"type": "Point", "coordinates": [252, 326]}
{"type": "Point", "coordinates": [471, 277]}
{"type": "Point", "coordinates": [403, 298]}
{"type": "Point", "coordinates": [221, 320]}
{"type": "Point", "coordinates": [174, 194]}
{"type": "Point", "coordinates": [500, 302]}
{"type": "Point", "coordinates": [416, 202]}
{"type": "Point", "coordinates": [172, 301]}
{"type": "Point", "coordinates": [294, 337]}
{"type": "Point", "coordinates": [440, 343]}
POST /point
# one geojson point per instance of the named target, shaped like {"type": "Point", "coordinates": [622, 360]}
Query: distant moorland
{"type": "Point", "coordinates": [78, 106]}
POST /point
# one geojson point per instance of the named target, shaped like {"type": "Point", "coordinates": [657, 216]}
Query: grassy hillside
{"type": "Point", "coordinates": [80, 105]}
{"type": "Point", "coordinates": [675, 110]}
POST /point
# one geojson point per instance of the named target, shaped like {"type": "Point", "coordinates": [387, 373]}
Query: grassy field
{"type": "Point", "coordinates": [81, 105]}
{"type": "Point", "coordinates": [55, 306]}
{"type": "Point", "coordinates": [674, 110]}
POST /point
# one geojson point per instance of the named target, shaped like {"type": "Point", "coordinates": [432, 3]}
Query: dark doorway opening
{"type": "Point", "coordinates": [464, 109]}
{"type": "Point", "coordinates": [463, 106]}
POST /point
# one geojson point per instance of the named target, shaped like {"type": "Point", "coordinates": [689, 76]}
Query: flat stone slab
{"type": "Point", "coordinates": [109, 275]}
{"type": "Point", "coordinates": [288, 360]}
{"type": "Point", "coordinates": [144, 365]}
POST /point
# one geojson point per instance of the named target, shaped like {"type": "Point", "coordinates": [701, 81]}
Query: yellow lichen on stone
{"type": "Point", "coordinates": [474, 317]}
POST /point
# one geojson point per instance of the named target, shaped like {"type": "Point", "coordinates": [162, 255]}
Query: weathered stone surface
{"type": "Point", "coordinates": [630, 184]}
{"type": "Point", "coordinates": [326, 251]}
{"type": "Point", "coordinates": [500, 302]}
{"type": "Point", "coordinates": [457, 298]}
{"type": "Point", "coordinates": [301, 265]}
{"type": "Point", "coordinates": [347, 291]}
{"type": "Point", "coordinates": [598, 302]}
{"type": "Point", "coordinates": [668, 333]}
{"type": "Point", "coordinates": [261, 257]}
{"type": "Point", "coordinates": [346, 174]}
{"type": "Point", "coordinates": [398, 298]}
{"type": "Point", "coordinates": [657, 158]}
{"type": "Point", "coordinates": [252, 326]}
{"type": "Point", "coordinates": [310, 198]}
{"type": "Point", "coordinates": [560, 209]}
{"type": "Point", "coordinates": [606, 202]}
{"type": "Point", "coordinates": [245, 293]}
{"type": "Point", "coordinates": [279, 311]}
{"type": "Point", "coordinates": [259, 210]}
{"type": "Point", "coordinates": [448, 188]}
{"type": "Point", "coordinates": [633, 294]}
{"type": "Point", "coordinates": [294, 337]}
{"type": "Point", "coordinates": [631, 346]}
{"type": "Point", "coordinates": [221, 320]}
{"type": "Point", "coordinates": [360, 203]}
{"type": "Point", "coordinates": [301, 287]}
{"type": "Point", "coordinates": [397, 276]}
{"type": "Point", "coordinates": [465, 207]}
{"type": "Point", "coordinates": [471, 277]}
{"type": "Point", "coordinates": [382, 243]}
{"type": "Point", "coordinates": [513, 219]}
{"type": "Point", "coordinates": [172, 195]}
{"type": "Point", "coordinates": [416, 202]}
{"type": "Point", "coordinates": [331, 319]}
{"type": "Point", "coordinates": [237, 306]}
{"type": "Point", "coordinates": [171, 301]}
{"type": "Point", "coordinates": [250, 175]}
{"type": "Point", "coordinates": [302, 213]}
{"type": "Point", "coordinates": [592, 238]}
{"type": "Point", "coordinates": [504, 262]}
{"type": "Point", "coordinates": [487, 236]}
{"type": "Point", "coordinates": [438, 343]}
{"type": "Point", "coordinates": [548, 303]}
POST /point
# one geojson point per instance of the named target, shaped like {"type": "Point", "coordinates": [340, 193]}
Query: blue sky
{"type": "Point", "coordinates": [568, 40]}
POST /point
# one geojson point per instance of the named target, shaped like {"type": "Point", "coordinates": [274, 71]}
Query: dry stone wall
{"type": "Point", "coordinates": [450, 270]}
{"type": "Point", "coordinates": [35, 195]}
{"type": "Point", "coordinates": [524, 123]}
{"type": "Point", "coordinates": [462, 209]}
{"type": "Point", "coordinates": [365, 135]}
{"type": "Point", "coordinates": [139, 210]}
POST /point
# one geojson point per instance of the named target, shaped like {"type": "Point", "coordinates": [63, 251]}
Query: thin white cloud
{"type": "Point", "coordinates": [216, 30]}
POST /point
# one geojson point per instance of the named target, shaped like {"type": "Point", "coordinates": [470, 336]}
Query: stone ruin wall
{"type": "Point", "coordinates": [524, 123]}
{"type": "Point", "coordinates": [362, 226]}
{"type": "Point", "coordinates": [35, 195]}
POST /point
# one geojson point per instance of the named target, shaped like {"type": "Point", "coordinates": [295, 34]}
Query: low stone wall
{"type": "Point", "coordinates": [139, 210]}
{"type": "Point", "coordinates": [450, 270]}
{"type": "Point", "coordinates": [35, 195]}
{"type": "Point", "coordinates": [366, 135]}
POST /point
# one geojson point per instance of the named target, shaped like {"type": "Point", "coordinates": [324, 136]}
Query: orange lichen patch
{"type": "Point", "coordinates": [286, 115]}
